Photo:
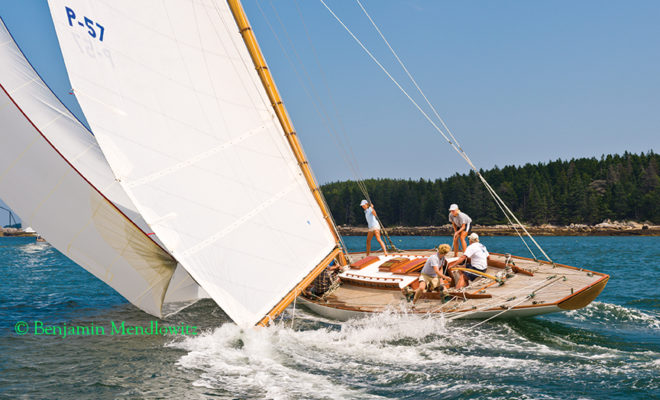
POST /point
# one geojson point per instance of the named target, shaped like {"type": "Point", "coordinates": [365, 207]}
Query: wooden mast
{"type": "Point", "coordinates": [290, 134]}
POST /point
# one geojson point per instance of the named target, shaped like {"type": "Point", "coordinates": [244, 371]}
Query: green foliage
{"type": "Point", "coordinates": [585, 190]}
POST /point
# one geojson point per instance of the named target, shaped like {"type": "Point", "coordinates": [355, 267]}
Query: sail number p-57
{"type": "Point", "coordinates": [88, 23]}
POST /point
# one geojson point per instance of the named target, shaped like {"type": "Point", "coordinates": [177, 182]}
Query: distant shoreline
{"type": "Point", "coordinates": [603, 229]}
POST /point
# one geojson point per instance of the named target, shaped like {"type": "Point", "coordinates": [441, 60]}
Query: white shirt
{"type": "Point", "coordinates": [478, 255]}
{"type": "Point", "coordinates": [460, 219]}
{"type": "Point", "coordinates": [372, 222]}
{"type": "Point", "coordinates": [434, 261]}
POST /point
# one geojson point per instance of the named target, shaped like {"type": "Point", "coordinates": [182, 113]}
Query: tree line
{"type": "Point", "coordinates": [584, 190]}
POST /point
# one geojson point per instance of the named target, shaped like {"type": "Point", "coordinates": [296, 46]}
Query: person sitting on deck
{"type": "Point", "coordinates": [374, 226]}
{"type": "Point", "coordinates": [434, 269]}
{"type": "Point", "coordinates": [477, 256]}
{"type": "Point", "coordinates": [462, 224]}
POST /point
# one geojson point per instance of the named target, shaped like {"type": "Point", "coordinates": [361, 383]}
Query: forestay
{"type": "Point", "coordinates": [55, 177]}
{"type": "Point", "coordinates": [176, 105]}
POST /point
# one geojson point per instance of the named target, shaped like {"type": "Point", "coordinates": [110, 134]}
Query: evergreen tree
{"type": "Point", "coordinates": [586, 190]}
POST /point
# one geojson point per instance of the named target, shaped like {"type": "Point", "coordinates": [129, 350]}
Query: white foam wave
{"type": "Point", "coordinates": [36, 247]}
{"type": "Point", "coordinates": [613, 313]}
{"type": "Point", "coordinates": [252, 364]}
{"type": "Point", "coordinates": [359, 357]}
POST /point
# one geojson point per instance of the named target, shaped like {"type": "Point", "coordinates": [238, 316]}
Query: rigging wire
{"type": "Point", "coordinates": [313, 96]}
{"type": "Point", "coordinates": [315, 181]}
{"type": "Point", "coordinates": [510, 307]}
{"type": "Point", "coordinates": [312, 92]}
{"type": "Point", "coordinates": [435, 112]}
{"type": "Point", "coordinates": [348, 155]}
{"type": "Point", "coordinates": [419, 89]}
{"type": "Point", "coordinates": [452, 142]}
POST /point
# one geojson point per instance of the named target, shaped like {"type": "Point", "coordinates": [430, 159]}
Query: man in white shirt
{"type": "Point", "coordinates": [477, 256]}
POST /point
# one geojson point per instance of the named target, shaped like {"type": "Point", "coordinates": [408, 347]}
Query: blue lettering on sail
{"type": "Point", "coordinates": [94, 29]}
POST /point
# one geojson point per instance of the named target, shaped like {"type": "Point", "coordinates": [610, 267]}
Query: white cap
{"type": "Point", "coordinates": [363, 202]}
{"type": "Point", "coordinates": [453, 207]}
{"type": "Point", "coordinates": [473, 237]}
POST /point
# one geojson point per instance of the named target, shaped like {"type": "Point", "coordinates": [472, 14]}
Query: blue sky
{"type": "Point", "coordinates": [516, 81]}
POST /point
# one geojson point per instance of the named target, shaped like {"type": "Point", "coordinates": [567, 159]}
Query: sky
{"type": "Point", "coordinates": [515, 81]}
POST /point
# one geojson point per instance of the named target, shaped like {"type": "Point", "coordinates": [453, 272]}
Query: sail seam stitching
{"type": "Point", "coordinates": [200, 157]}
{"type": "Point", "coordinates": [15, 90]}
{"type": "Point", "coordinates": [214, 238]}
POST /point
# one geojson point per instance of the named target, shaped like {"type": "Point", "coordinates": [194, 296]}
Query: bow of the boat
{"type": "Point", "coordinates": [585, 296]}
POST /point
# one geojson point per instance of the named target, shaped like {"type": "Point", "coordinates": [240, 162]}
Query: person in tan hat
{"type": "Point", "coordinates": [434, 271]}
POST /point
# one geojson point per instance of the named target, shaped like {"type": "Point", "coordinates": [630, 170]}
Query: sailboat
{"type": "Point", "coordinates": [192, 181]}
{"type": "Point", "coordinates": [59, 181]}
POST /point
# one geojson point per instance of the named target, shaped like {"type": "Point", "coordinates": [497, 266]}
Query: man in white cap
{"type": "Point", "coordinates": [374, 226]}
{"type": "Point", "coordinates": [462, 224]}
{"type": "Point", "coordinates": [477, 256]}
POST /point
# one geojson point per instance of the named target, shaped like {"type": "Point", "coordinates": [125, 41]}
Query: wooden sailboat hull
{"type": "Point", "coordinates": [537, 288]}
{"type": "Point", "coordinates": [340, 314]}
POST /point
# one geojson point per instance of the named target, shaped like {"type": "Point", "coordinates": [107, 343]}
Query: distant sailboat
{"type": "Point", "coordinates": [202, 153]}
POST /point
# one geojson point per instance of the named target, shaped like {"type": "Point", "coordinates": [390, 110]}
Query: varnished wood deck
{"type": "Point", "coordinates": [551, 288]}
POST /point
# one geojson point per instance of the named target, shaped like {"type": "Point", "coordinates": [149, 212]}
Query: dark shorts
{"type": "Point", "coordinates": [468, 228]}
{"type": "Point", "coordinates": [470, 275]}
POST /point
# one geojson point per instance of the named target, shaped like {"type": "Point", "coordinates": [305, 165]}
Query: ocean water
{"type": "Point", "coordinates": [610, 349]}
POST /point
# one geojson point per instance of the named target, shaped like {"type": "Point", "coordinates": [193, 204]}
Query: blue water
{"type": "Point", "coordinates": [611, 349]}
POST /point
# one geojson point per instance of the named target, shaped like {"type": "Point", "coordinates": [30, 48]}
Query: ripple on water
{"type": "Point", "coordinates": [609, 349]}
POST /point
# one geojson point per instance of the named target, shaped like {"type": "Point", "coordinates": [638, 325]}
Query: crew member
{"type": "Point", "coordinates": [462, 224]}
{"type": "Point", "coordinates": [477, 256]}
{"type": "Point", "coordinates": [374, 226]}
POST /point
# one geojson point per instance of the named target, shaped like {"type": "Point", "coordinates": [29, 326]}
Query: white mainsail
{"type": "Point", "coordinates": [55, 176]}
{"type": "Point", "coordinates": [178, 109]}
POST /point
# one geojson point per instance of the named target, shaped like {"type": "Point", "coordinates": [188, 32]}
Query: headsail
{"type": "Point", "coordinates": [179, 111]}
{"type": "Point", "coordinates": [51, 176]}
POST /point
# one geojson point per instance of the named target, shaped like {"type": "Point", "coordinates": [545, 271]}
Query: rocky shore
{"type": "Point", "coordinates": [605, 228]}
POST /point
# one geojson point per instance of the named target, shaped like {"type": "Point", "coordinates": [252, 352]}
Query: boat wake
{"type": "Point", "coordinates": [398, 355]}
{"type": "Point", "coordinates": [608, 314]}
{"type": "Point", "coordinates": [262, 363]}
